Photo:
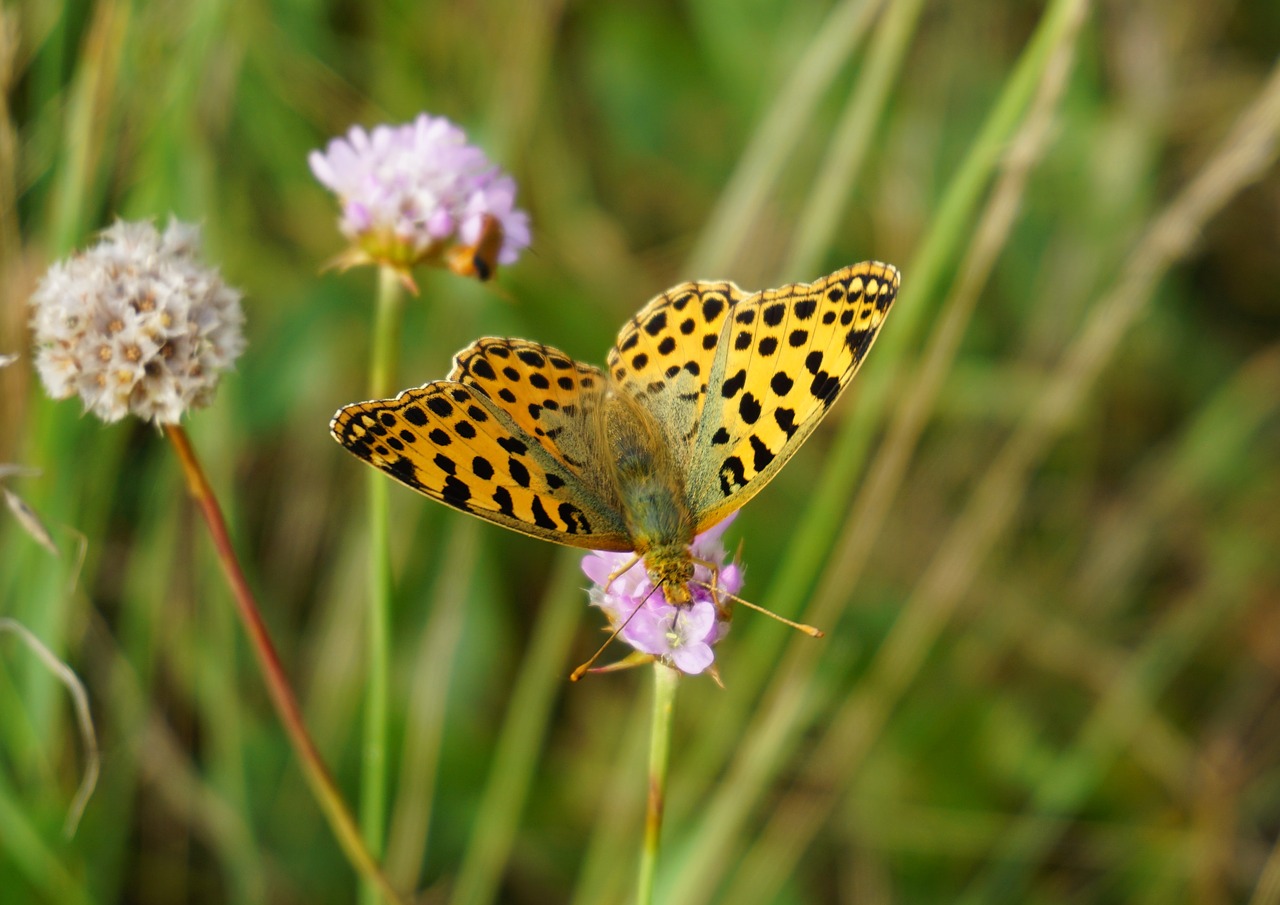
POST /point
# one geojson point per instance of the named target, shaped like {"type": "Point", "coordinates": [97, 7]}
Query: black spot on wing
{"type": "Point", "coordinates": [734, 384]}
{"type": "Point", "coordinates": [786, 419]}
{"type": "Point", "coordinates": [824, 387]}
{"type": "Point", "coordinates": [540, 517]}
{"type": "Point", "coordinates": [518, 472]}
{"type": "Point", "coordinates": [732, 475]}
{"type": "Point", "coordinates": [857, 341]}
{"type": "Point", "coordinates": [574, 520]}
{"type": "Point", "coordinates": [762, 454]}
{"type": "Point", "coordinates": [506, 505]}
{"type": "Point", "coordinates": [455, 492]}
{"type": "Point", "coordinates": [405, 471]}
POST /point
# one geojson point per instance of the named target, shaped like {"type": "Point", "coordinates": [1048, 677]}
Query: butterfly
{"type": "Point", "coordinates": [708, 392]}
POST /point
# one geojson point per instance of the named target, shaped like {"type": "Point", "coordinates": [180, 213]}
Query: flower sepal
{"type": "Point", "coordinates": [630, 661]}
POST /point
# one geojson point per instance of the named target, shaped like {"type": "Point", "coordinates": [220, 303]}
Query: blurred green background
{"type": "Point", "coordinates": [1041, 530]}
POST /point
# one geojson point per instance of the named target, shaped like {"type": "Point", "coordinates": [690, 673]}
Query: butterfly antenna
{"type": "Point", "coordinates": [582, 670]}
{"type": "Point", "coordinates": [799, 626]}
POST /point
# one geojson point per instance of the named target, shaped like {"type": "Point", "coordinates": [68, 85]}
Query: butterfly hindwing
{"type": "Point", "coordinates": [783, 358]}
{"type": "Point", "coordinates": [451, 442]}
{"type": "Point", "coordinates": [664, 354]}
{"type": "Point", "coordinates": [545, 392]}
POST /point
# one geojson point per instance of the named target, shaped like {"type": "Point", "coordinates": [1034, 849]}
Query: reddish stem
{"type": "Point", "coordinates": [282, 697]}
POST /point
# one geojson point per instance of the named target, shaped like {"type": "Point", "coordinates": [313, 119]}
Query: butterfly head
{"type": "Point", "coordinates": [671, 568]}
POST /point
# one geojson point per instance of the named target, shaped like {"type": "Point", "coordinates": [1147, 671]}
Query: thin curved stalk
{"type": "Point", "coordinates": [317, 774]}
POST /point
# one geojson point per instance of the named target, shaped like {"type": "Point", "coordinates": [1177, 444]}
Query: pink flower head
{"type": "Point", "coordinates": [415, 192]}
{"type": "Point", "coordinates": [678, 636]}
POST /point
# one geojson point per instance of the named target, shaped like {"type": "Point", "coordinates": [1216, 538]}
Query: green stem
{"type": "Point", "coordinates": [283, 699]}
{"type": "Point", "coordinates": [665, 681]}
{"type": "Point", "coordinates": [373, 773]}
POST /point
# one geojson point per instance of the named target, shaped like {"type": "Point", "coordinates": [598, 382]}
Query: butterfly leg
{"type": "Point", "coordinates": [618, 573]}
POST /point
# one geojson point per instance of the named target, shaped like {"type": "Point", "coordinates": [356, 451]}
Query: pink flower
{"type": "Point", "coordinates": [413, 192]}
{"type": "Point", "coordinates": [679, 636]}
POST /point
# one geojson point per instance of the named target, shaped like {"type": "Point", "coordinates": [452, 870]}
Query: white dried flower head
{"type": "Point", "coordinates": [136, 324]}
{"type": "Point", "coordinates": [413, 193]}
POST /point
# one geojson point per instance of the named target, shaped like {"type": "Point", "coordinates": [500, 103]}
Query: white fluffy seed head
{"type": "Point", "coordinates": [136, 324]}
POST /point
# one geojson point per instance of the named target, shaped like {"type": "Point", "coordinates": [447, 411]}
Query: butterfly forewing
{"type": "Point", "coordinates": [784, 357]}
{"type": "Point", "coordinates": [451, 442]}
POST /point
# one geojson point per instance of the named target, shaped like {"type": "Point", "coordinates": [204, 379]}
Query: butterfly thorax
{"type": "Point", "coordinates": [650, 493]}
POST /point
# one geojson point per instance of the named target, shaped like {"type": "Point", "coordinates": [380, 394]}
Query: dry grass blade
{"type": "Point", "coordinates": [84, 720]}
{"type": "Point", "coordinates": [29, 520]}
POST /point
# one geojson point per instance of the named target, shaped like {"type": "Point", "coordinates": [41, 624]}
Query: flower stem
{"type": "Point", "coordinates": [282, 697]}
{"type": "Point", "coordinates": [373, 772]}
{"type": "Point", "coordinates": [665, 681]}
